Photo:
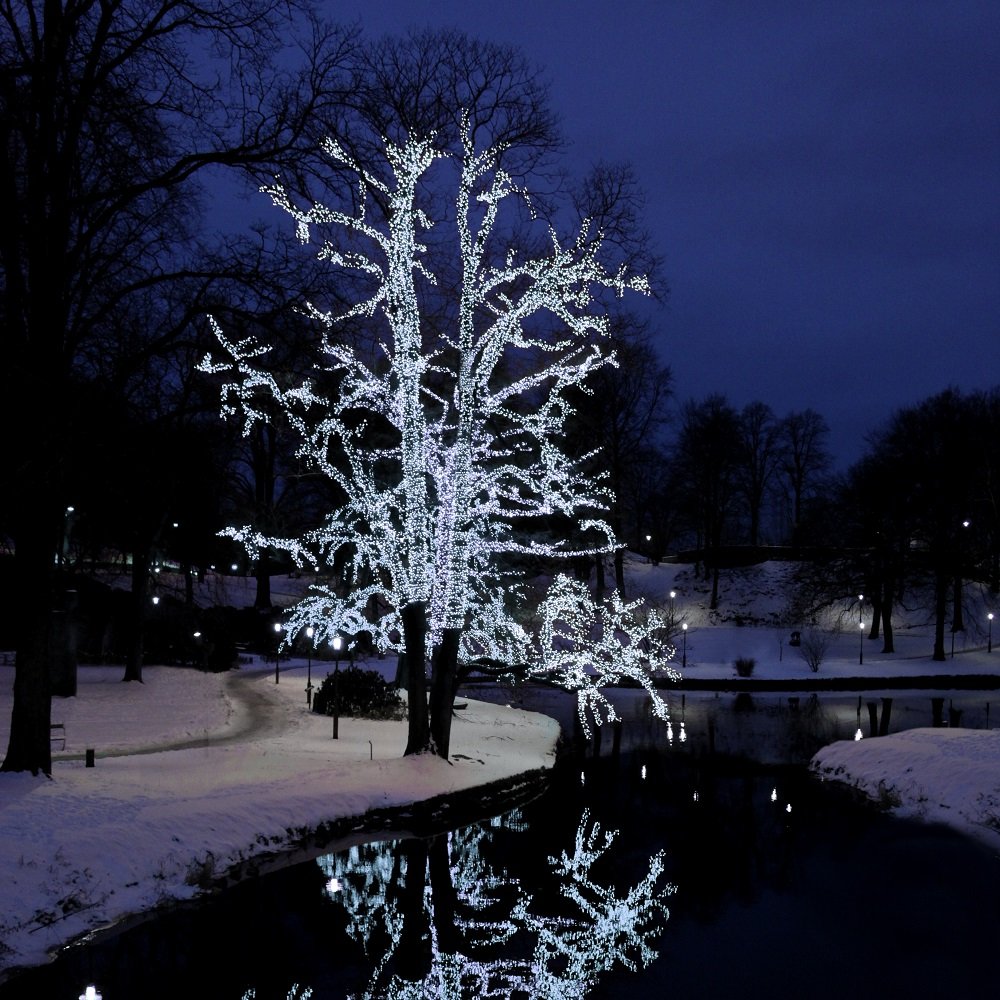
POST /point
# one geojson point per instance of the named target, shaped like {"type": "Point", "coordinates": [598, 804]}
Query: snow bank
{"type": "Point", "coordinates": [949, 776]}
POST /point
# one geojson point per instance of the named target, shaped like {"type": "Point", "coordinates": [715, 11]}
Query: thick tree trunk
{"type": "Point", "coordinates": [29, 747]}
{"type": "Point", "coordinates": [262, 573]}
{"type": "Point", "coordinates": [940, 609]}
{"type": "Point", "coordinates": [444, 675]}
{"type": "Point", "coordinates": [414, 617]}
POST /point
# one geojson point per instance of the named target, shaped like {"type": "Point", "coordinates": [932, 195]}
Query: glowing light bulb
{"type": "Point", "coordinates": [774, 794]}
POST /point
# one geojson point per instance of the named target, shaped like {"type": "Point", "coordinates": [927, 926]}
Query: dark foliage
{"type": "Point", "coordinates": [361, 694]}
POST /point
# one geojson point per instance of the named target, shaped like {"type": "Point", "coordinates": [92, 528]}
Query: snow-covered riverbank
{"type": "Point", "coordinates": [141, 829]}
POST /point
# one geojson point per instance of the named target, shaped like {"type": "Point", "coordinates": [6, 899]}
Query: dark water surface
{"type": "Point", "coordinates": [785, 887]}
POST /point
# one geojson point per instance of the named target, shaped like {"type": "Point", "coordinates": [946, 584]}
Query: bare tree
{"type": "Point", "coordinates": [760, 455]}
{"type": "Point", "coordinates": [805, 460]}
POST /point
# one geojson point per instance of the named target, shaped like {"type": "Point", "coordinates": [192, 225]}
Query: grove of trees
{"type": "Point", "coordinates": [524, 441]}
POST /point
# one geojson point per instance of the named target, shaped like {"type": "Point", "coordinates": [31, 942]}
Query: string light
{"type": "Point", "coordinates": [429, 519]}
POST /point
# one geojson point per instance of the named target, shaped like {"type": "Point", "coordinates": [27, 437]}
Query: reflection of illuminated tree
{"type": "Point", "coordinates": [293, 993]}
{"type": "Point", "coordinates": [470, 911]}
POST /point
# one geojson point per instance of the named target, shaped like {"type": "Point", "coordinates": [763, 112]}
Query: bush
{"type": "Point", "coordinates": [813, 649]}
{"type": "Point", "coordinates": [744, 665]}
{"type": "Point", "coordinates": [362, 694]}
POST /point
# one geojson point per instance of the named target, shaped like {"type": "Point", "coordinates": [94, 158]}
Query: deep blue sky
{"type": "Point", "coordinates": [823, 180]}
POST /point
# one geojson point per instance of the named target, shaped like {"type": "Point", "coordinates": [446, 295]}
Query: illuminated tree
{"type": "Point", "coordinates": [446, 441]}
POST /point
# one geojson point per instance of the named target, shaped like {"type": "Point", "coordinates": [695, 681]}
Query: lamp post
{"type": "Point", "coordinates": [649, 550]}
{"type": "Point", "coordinates": [684, 654]}
{"type": "Point", "coordinates": [861, 647]}
{"type": "Point", "coordinates": [337, 642]}
{"type": "Point", "coordinates": [309, 667]}
{"type": "Point", "coordinates": [277, 650]}
{"type": "Point", "coordinates": [989, 642]}
{"type": "Point", "coordinates": [673, 594]}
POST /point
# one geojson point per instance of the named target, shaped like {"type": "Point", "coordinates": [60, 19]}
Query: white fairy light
{"type": "Point", "coordinates": [477, 451]}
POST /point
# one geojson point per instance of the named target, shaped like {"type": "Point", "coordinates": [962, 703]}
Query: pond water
{"type": "Point", "coordinates": [671, 865]}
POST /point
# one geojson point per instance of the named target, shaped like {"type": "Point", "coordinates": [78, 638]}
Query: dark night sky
{"type": "Point", "coordinates": [822, 180]}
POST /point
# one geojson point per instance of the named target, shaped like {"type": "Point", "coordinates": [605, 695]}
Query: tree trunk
{"type": "Point", "coordinates": [444, 674]}
{"type": "Point", "coordinates": [887, 638]}
{"type": "Point", "coordinates": [414, 617]}
{"type": "Point", "coordinates": [29, 747]}
{"type": "Point", "coordinates": [957, 619]}
{"type": "Point", "coordinates": [599, 580]}
{"type": "Point", "coordinates": [137, 606]}
{"type": "Point", "coordinates": [262, 573]}
{"type": "Point", "coordinates": [940, 609]}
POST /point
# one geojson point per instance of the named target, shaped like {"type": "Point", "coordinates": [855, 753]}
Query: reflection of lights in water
{"type": "Point", "coordinates": [859, 735]}
{"type": "Point", "coordinates": [333, 886]}
{"type": "Point", "coordinates": [774, 794]}
{"type": "Point", "coordinates": [696, 796]}
{"type": "Point", "coordinates": [293, 993]}
{"type": "Point", "coordinates": [643, 772]}
{"type": "Point", "coordinates": [788, 808]}
{"type": "Point", "coordinates": [90, 993]}
{"type": "Point", "coordinates": [583, 778]}
{"type": "Point", "coordinates": [684, 734]}
{"type": "Point", "coordinates": [670, 733]}
{"type": "Point", "coordinates": [610, 926]}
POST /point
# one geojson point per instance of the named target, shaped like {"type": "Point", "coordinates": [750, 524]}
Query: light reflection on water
{"type": "Point", "coordinates": [785, 887]}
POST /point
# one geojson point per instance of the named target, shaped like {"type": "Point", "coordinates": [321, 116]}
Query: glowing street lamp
{"type": "Point", "coordinates": [309, 667]}
{"type": "Point", "coordinates": [277, 650]}
{"type": "Point", "coordinates": [861, 634]}
{"type": "Point", "coordinates": [684, 655]}
{"type": "Point", "coordinates": [673, 594]}
{"type": "Point", "coordinates": [989, 642]}
{"type": "Point", "coordinates": [337, 643]}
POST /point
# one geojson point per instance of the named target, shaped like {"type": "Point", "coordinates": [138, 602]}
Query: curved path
{"type": "Point", "coordinates": [257, 716]}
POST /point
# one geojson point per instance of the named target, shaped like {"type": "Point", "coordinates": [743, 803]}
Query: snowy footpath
{"type": "Point", "coordinates": [251, 775]}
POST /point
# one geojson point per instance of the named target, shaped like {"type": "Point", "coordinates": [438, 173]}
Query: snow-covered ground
{"type": "Point", "coordinates": [254, 770]}
{"type": "Point", "coordinates": [143, 828]}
